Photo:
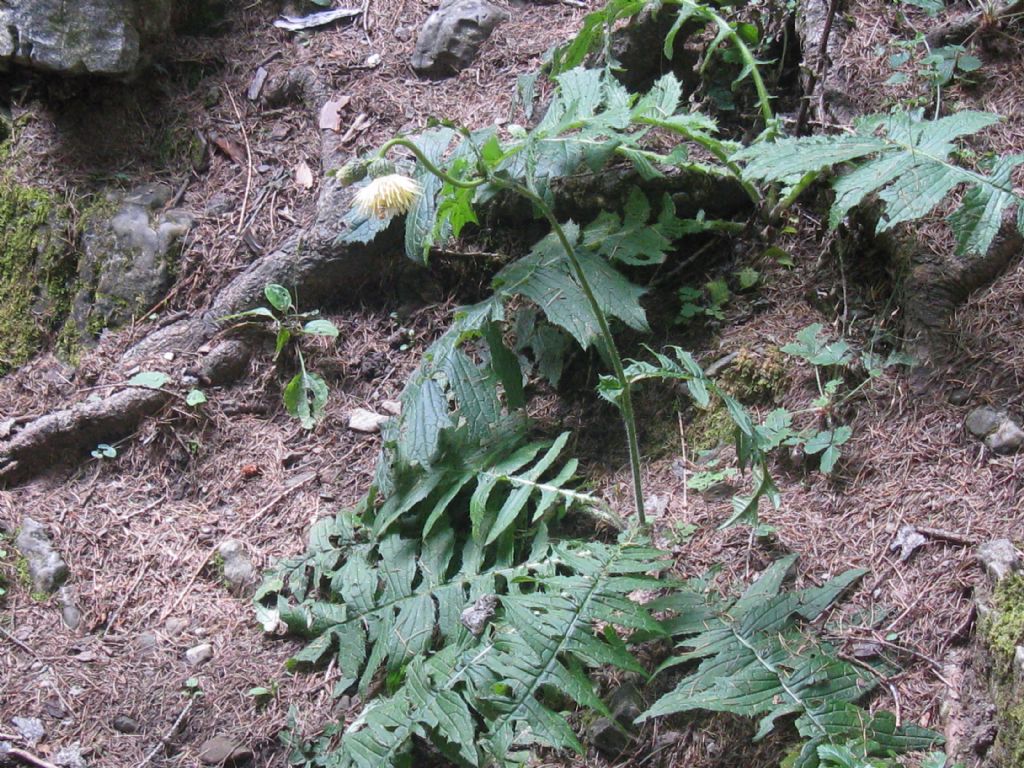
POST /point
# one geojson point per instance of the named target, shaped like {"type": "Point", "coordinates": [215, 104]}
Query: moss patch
{"type": "Point", "coordinates": [1005, 631]}
{"type": "Point", "coordinates": [710, 428]}
{"type": "Point", "coordinates": [35, 273]}
{"type": "Point", "coordinates": [1002, 632]}
{"type": "Point", "coordinates": [1011, 735]}
{"type": "Point", "coordinates": [759, 378]}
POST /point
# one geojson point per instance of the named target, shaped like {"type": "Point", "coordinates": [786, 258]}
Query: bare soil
{"type": "Point", "coordinates": [139, 531]}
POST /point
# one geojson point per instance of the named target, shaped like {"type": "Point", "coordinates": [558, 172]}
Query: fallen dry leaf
{"type": "Point", "coordinates": [231, 148]}
{"type": "Point", "coordinates": [361, 123]}
{"type": "Point", "coordinates": [303, 175]}
{"type": "Point", "coordinates": [330, 114]}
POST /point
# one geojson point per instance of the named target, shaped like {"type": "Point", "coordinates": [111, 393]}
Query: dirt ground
{"type": "Point", "coordinates": [139, 531]}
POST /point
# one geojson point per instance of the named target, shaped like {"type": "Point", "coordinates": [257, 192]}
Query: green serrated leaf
{"type": "Point", "coordinates": [909, 170]}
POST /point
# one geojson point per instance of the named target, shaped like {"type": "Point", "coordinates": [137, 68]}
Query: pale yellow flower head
{"type": "Point", "coordinates": [387, 196]}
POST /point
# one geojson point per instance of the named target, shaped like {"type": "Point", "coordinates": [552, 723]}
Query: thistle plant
{"type": "Point", "coordinates": [591, 121]}
{"type": "Point", "coordinates": [452, 580]}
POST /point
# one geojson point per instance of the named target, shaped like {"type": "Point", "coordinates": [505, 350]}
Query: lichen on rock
{"type": "Point", "coordinates": [130, 249]}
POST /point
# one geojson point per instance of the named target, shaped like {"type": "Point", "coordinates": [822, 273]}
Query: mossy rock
{"type": "Point", "coordinates": [36, 271]}
{"type": "Point", "coordinates": [130, 249]}
{"type": "Point", "coordinates": [710, 428]}
{"type": "Point", "coordinates": [1004, 628]}
{"type": "Point", "coordinates": [1002, 632]}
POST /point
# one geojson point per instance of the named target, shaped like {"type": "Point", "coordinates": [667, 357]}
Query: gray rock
{"type": "Point", "coordinates": [452, 36]}
{"type": "Point", "coordinates": [984, 420]}
{"type": "Point", "coordinates": [128, 257]}
{"type": "Point", "coordinates": [1018, 660]}
{"type": "Point", "coordinates": [125, 724]}
{"type": "Point", "coordinates": [70, 757]}
{"type": "Point", "coordinates": [907, 542]}
{"type": "Point", "coordinates": [221, 205]}
{"type": "Point", "coordinates": [368, 422]}
{"type": "Point", "coordinates": [69, 610]}
{"type": "Point", "coordinates": [223, 750]}
{"type": "Point", "coordinates": [199, 654]}
{"type": "Point", "coordinates": [238, 570]}
{"type": "Point", "coordinates": [1008, 438]}
{"type": "Point", "coordinates": [30, 729]}
{"type": "Point", "coordinates": [145, 643]}
{"type": "Point", "coordinates": [999, 558]}
{"type": "Point", "coordinates": [45, 565]}
{"type": "Point", "coordinates": [83, 37]}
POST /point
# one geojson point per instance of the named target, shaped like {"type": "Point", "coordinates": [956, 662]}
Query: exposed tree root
{"type": "Point", "coordinates": [959, 27]}
{"type": "Point", "coordinates": [930, 285]}
{"type": "Point", "coordinates": [825, 83]}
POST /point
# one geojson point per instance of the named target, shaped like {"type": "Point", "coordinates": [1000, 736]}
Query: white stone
{"type": "Point", "coordinates": [362, 420]}
{"type": "Point", "coordinates": [199, 654]}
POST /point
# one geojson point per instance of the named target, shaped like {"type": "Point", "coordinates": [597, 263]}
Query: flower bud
{"type": "Point", "coordinates": [380, 167]}
{"type": "Point", "coordinates": [351, 172]}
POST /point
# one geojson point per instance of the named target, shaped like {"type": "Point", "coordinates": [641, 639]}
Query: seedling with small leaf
{"type": "Point", "coordinates": [305, 396]}
{"type": "Point", "coordinates": [104, 451]}
{"type": "Point", "coordinates": [831, 359]}
{"type": "Point", "coordinates": [706, 302]}
{"type": "Point", "coordinates": [149, 380]}
{"type": "Point", "coordinates": [263, 694]}
{"type": "Point", "coordinates": [195, 398]}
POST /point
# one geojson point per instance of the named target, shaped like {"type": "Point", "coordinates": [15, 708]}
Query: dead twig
{"type": "Point", "coordinates": [26, 648]}
{"type": "Point", "coordinates": [248, 164]}
{"type": "Point", "coordinates": [944, 535]}
{"type": "Point", "coordinates": [124, 600]}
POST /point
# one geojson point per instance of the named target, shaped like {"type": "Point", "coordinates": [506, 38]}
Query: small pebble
{"type": "Point", "coordinates": [223, 750]}
{"type": "Point", "coordinates": [125, 724]}
{"type": "Point", "coordinates": [199, 654]}
{"type": "Point", "coordinates": [959, 396]}
{"type": "Point", "coordinates": [145, 643]}
{"type": "Point", "coordinates": [30, 729]}
{"type": "Point", "coordinates": [175, 625]}
{"type": "Point", "coordinates": [69, 611]}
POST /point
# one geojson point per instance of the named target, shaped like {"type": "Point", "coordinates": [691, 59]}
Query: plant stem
{"type": "Point", "coordinates": [626, 399]}
{"type": "Point", "coordinates": [763, 98]}
{"type": "Point", "coordinates": [411, 146]}
{"type": "Point", "coordinates": [798, 189]}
